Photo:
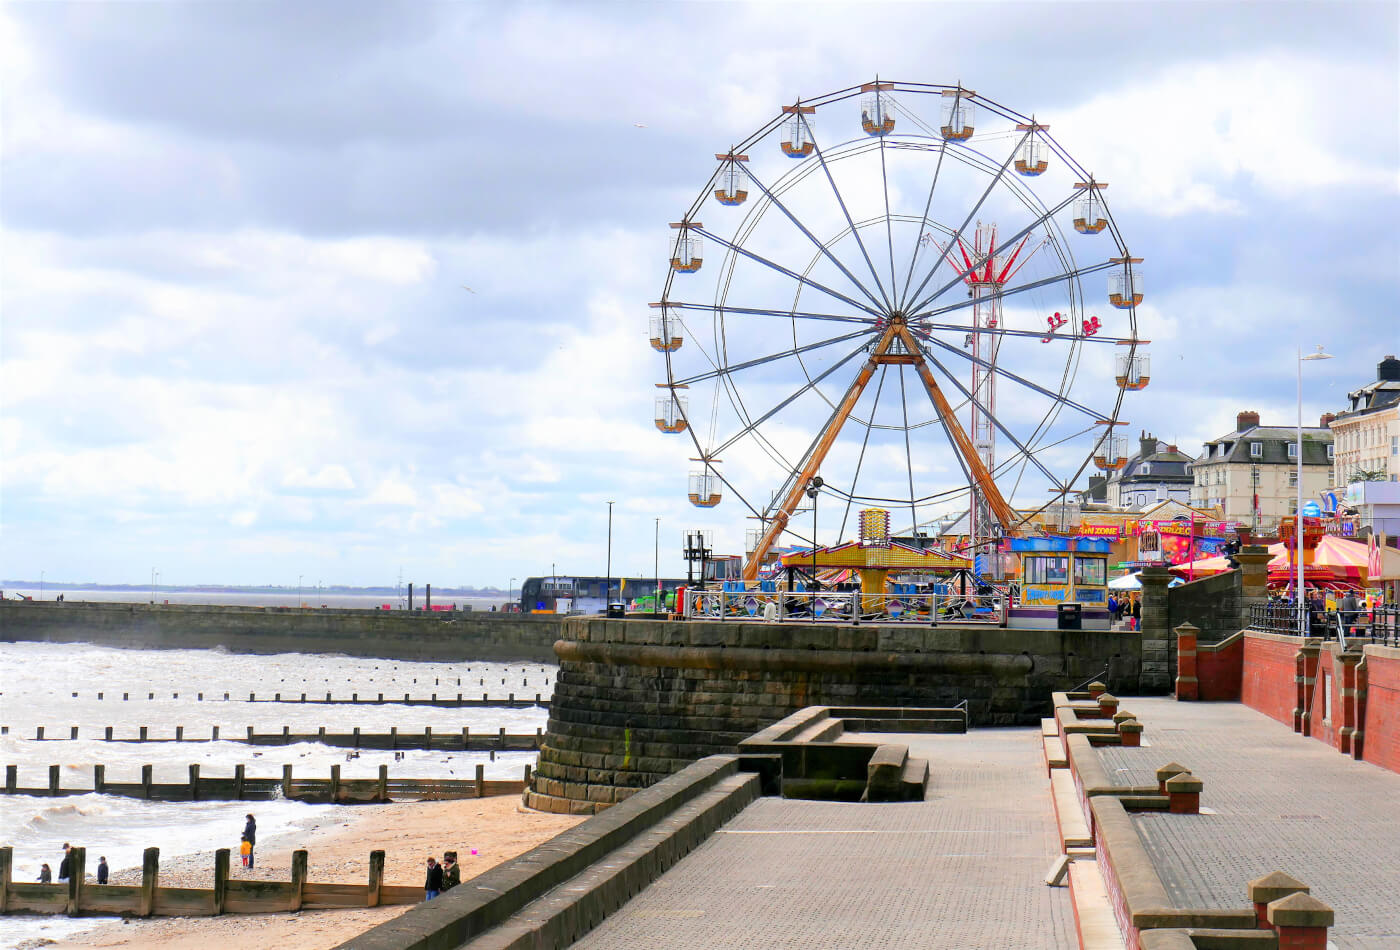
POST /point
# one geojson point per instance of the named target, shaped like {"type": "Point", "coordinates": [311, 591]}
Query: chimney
{"type": "Point", "coordinates": [1327, 419]}
{"type": "Point", "coordinates": [1098, 488]}
{"type": "Point", "coordinates": [1388, 369]}
{"type": "Point", "coordinates": [1173, 449]}
{"type": "Point", "coordinates": [1147, 445]}
{"type": "Point", "coordinates": [1246, 420]}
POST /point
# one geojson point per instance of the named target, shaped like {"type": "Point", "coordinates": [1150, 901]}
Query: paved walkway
{"type": "Point", "coordinates": [963, 869]}
{"type": "Point", "coordinates": [1282, 802]}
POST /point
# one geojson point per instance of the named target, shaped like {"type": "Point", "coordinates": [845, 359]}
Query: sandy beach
{"type": "Point", "coordinates": [338, 852]}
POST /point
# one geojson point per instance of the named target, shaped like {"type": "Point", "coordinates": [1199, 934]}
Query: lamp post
{"type": "Point", "coordinates": [153, 585]}
{"type": "Point", "coordinates": [299, 591]}
{"type": "Point", "coordinates": [1298, 510]}
{"type": "Point", "coordinates": [41, 585]}
{"type": "Point", "coordinates": [510, 591]}
{"type": "Point", "coordinates": [656, 552]}
{"type": "Point", "coordinates": [814, 487]}
{"type": "Point", "coordinates": [608, 601]}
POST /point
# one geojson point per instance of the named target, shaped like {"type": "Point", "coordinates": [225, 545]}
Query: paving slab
{"type": "Point", "coordinates": [962, 869]}
{"type": "Point", "coordinates": [1281, 802]}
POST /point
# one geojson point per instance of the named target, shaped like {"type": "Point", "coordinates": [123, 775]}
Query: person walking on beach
{"type": "Point", "coordinates": [102, 870]}
{"type": "Point", "coordinates": [451, 871]}
{"type": "Point", "coordinates": [66, 863]}
{"type": "Point", "coordinates": [45, 875]}
{"type": "Point", "coordinates": [432, 887]}
{"type": "Point", "coordinates": [250, 833]}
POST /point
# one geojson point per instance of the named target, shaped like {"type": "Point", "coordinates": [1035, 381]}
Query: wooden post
{"type": "Point", "coordinates": [252, 697]}
{"type": "Point", "coordinates": [527, 774]}
{"type": "Point", "coordinates": [383, 784]}
{"type": "Point", "coordinates": [539, 738]}
{"type": "Point", "coordinates": [328, 697]}
{"type": "Point", "coordinates": [108, 735]}
{"type": "Point", "coordinates": [220, 880]}
{"type": "Point", "coordinates": [357, 737]}
{"type": "Point", "coordinates": [145, 781]}
{"type": "Point", "coordinates": [73, 732]}
{"type": "Point", "coordinates": [376, 876]}
{"type": "Point", "coordinates": [179, 733]}
{"type": "Point", "coordinates": [298, 878]}
{"type": "Point", "coordinates": [150, 880]}
{"type": "Point", "coordinates": [465, 739]}
{"type": "Point", "coordinates": [501, 738]}
{"type": "Point", "coordinates": [335, 784]}
{"type": "Point", "coordinates": [77, 872]}
{"type": "Point", "coordinates": [99, 778]}
{"type": "Point", "coordinates": [250, 735]}
{"type": "Point", "coordinates": [39, 734]}
{"type": "Point", "coordinates": [238, 782]}
{"type": "Point", "coordinates": [214, 734]}
{"type": "Point", "coordinates": [143, 733]}
{"type": "Point", "coordinates": [321, 735]}
{"type": "Point", "coordinates": [481, 781]}
{"type": "Point", "coordinates": [54, 777]}
{"type": "Point", "coordinates": [427, 737]}
{"type": "Point", "coordinates": [7, 863]}
{"type": "Point", "coordinates": [11, 778]}
{"type": "Point", "coordinates": [286, 735]}
{"type": "Point", "coordinates": [286, 781]}
{"type": "Point", "coordinates": [393, 737]}
{"type": "Point", "coordinates": [199, 697]}
{"type": "Point", "coordinates": [194, 781]}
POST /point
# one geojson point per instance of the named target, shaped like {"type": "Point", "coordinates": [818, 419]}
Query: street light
{"type": "Point", "coordinates": [299, 576]}
{"type": "Point", "coordinates": [607, 602]}
{"type": "Point", "coordinates": [1298, 511]}
{"type": "Point", "coordinates": [814, 487]}
{"type": "Point", "coordinates": [656, 553]}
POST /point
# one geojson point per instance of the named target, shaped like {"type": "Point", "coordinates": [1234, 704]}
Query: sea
{"type": "Point", "coordinates": [308, 596]}
{"type": "Point", "coordinates": [56, 686]}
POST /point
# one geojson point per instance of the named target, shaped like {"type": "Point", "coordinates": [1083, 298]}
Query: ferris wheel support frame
{"type": "Point", "coordinates": [880, 355]}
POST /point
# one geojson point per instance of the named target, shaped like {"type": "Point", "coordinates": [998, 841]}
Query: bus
{"type": "Point", "coordinates": [588, 595]}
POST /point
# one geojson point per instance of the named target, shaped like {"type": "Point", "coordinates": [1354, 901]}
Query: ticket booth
{"type": "Point", "coordinates": [1062, 572]}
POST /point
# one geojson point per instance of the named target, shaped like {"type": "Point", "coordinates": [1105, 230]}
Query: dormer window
{"type": "Point", "coordinates": [1256, 450]}
{"type": "Point", "coordinates": [1329, 457]}
{"type": "Point", "coordinates": [1293, 454]}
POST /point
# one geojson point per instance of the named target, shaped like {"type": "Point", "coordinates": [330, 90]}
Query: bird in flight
{"type": "Point", "coordinates": [468, 289]}
{"type": "Point", "coordinates": [639, 125]}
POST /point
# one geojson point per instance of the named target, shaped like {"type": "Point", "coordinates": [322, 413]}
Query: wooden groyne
{"type": "Point", "coordinates": [393, 740]}
{"type": "Point", "coordinates": [444, 701]}
{"type": "Point", "coordinates": [78, 896]}
{"type": "Point", "coordinates": [241, 787]}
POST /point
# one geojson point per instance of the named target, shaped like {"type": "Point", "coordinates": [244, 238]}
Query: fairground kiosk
{"type": "Point", "coordinates": [1064, 583]}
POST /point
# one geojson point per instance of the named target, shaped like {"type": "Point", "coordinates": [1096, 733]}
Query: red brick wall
{"type": "Point", "coordinates": [1380, 732]}
{"type": "Point", "coordinates": [1219, 670]}
{"type": "Point", "coordinates": [1319, 726]}
{"type": "Point", "coordinates": [1267, 677]}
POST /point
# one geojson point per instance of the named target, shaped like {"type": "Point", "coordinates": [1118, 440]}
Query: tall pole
{"type": "Point", "coordinates": [299, 576]}
{"type": "Point", "coordinates": [1298, 512]}
{"type": "Point", "coordinates": [657, 567]}
{"type": "Point", "coordinates": [510, 591]}
{"type": "Point", "coordinates": [609, 595]}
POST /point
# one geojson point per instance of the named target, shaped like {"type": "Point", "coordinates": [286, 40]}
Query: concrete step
{"type": "Point", "coordinates": [884, 775]}
{"type": "Point", "coordinates": [1055, 757]}
{"type": "Point", "coordinates": [1093, 913]}
{"type": "Point", "coordinates": [1074, 829]}
{"type": "Point", "coordinates": [1049, 727]}
{"type": "Point", "coordinates": [822, 730]}
{"type": "Point", "coordinates": [915, 780]}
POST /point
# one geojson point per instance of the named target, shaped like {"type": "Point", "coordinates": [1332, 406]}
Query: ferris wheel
{"type": "Point", "coordinates": [907, 296]}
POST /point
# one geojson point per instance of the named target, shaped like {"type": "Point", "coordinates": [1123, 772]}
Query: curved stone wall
{"type": "Point", "coordinates": [637, 700]}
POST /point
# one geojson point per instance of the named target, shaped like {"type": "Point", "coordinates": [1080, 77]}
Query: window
{"type": "Point", "coordinates": [1045, 570]}
{"type": "Point", "coordinates": [1330, 452]}
{"type": "Point", "coordinates": [1394, 445]}
{"type": "Point", "coordinates": [1091, 570]}
{"type": "Point", "coordinates": [1293, 450]}
{"type": "Point", "coordinates": [1146, 469]}
{"type": "Point", "coordinates": [1292, 506]}
{"type": "Point", "coordinates": [1331, 478]}
{"type": "Point", "coordinates": [1292, 479]}
{"type": "Point", "coordinates": [1256, 450]}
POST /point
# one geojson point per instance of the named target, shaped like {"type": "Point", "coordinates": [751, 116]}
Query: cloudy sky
{"type": "Point", "coordinates": [237, 341]}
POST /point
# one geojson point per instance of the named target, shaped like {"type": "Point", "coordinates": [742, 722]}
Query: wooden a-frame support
{"type": "Point", "coordinates": [880, 355]}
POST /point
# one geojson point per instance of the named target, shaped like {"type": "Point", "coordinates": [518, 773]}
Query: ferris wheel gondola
{"type": "Point", "coordinates": [871, 298]}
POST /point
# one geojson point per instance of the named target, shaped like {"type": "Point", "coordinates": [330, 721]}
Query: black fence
{"type": "Point", "coordinates": [1374, 625]}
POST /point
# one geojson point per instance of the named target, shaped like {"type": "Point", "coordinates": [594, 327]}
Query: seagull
{"type": "Point", "coordinates": [639, 125]}
{"type": "Point", "coordinates": [468, 289]}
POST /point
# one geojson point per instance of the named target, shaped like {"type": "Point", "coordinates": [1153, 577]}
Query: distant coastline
{"type": "Point", "coordinates": [291, 589]}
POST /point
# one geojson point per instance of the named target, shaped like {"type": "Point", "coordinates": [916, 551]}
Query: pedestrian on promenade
{"type": "Point", "coordinates": [1113, 607]}
{"type": "Point", "coordinates": [1348, 609]}
{"type": "Point", "coordinates": [102, 870]}
{"type": "Point", "coordinates": [250, 832]}
{"type": "Point", "coordinates": [451, 872]}
{"type": "Point", "coordinates": [45, 875]}
{"type": "Point", "coordinates": [66, 864]}
{"type": "Point", "coordinates": [245, 850]}
{"type": "Point", "coordinates": [1137, 613]}
{"type": "Point", "coordinates": [432, 887]}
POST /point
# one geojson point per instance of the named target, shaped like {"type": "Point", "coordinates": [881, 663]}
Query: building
{"type": "Point", "coordinates": [1251, 474]}
{"type": "Point", "coordinates": [1156, 473]}
{"type": "Point", "coordinates": [1367, 432]}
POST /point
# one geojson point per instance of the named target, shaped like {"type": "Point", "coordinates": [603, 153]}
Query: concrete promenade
{"type": "Point", "coordinates": [963, 869]}
{"type": "Point", "coordinates": [1280, 801]}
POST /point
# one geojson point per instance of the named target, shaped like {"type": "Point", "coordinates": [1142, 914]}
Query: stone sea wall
{"type": "Point", "coordinates": [392, 634]}
{"type": "Point", "coordinates": [637, 700]}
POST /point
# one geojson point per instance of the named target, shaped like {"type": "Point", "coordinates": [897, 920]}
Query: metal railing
{"type": "Point", "coordinates": [1379, 624]}
{"type": "Point", "coordinates": [1280, 618]}
{"type": "Point", "coordinates": [844, 607]}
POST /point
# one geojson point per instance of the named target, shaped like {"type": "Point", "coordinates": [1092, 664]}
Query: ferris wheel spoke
{"type": "Point", "coordinates": [923, 221]}
{"type": "Point", "coordinates": [806, 387]}
{"type": "Point", "coordinates": [826, 251]}
{"type": "Point", "coordinates": [760, 259]}
{"type": "Point", "coordinates": [730, 369]}
{"type": "Point", "coordinates": [762, 312]}
{"type": "Point", "coordinates": [1019, 289]}
{"type": "Point", "coordinates": [972, 213]}
{"type": "Point", "coordinates": [908, 450]}
{"type": "Point", "coordinates": [1036, 387]}
{"type": "Point", "coordinates": [889, 222]}
{"type": "Point", "coordinates": [826, 169]}
{"type": "Point", "coordinates": [865, 441]}
{"type": "Point", "coordinates": [967, 394]}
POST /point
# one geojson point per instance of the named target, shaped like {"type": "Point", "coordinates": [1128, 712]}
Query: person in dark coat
{"type": "Point", "coordinates": [102, 870]}
{"type": "Point", "coordinates": [66, 863]}
{"type": "Point", "coordinates": [432, 887]}
{"type": "Point", "coordinates": [250, 831]}
{"type": "Point", "coordinates": [451, 871]}
{"type": "Point", "coordinates": [45, 874]}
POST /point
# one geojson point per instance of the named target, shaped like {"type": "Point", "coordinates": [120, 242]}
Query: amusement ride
{"type": "Point", "coordinates": [902, 297]}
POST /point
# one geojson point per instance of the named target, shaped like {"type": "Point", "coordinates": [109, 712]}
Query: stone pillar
{"type": "Point", "coordinates": [1188, 687]}
{"type": "Point", "coordinates": [1306, 659]}
{"type": "Point", "coordinates": [1269, 888]}
{"type": "Point", "coordinates": [1155, 632]}
{"type": "Point", "coordinates": [1096, 689]}
{"type": "Point", "coordinates": [150, 880]}
{"type": "Point", "coordinates": [1130, 733]}
{"type": "Point", "coordinates": [1108, 706]}
{"type": "Point", "coordinates": [1347, 736]}
{"type": "Point", "coordinates": [1301, 922]}
{"type": "Point", "coordinates": [1184, 794]}
{"type": "Point", "coordinates": [77, 876]}
{"type": "Point", "coordinates": [1254, 579]}
{"type": "Point", "coordinates": [1166, 772]}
